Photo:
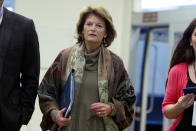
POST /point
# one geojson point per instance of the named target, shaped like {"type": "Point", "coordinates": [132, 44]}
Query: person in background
{"type": "Point", "coordinates": [104, 95]}
{"type": "Point", "coordinates": [19, 69]}
{"type": "Point", "coordinates": [182, 74]}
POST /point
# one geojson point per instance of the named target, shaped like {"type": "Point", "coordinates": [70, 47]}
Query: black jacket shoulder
{"type": "Point", "coordinates": [16, 18]}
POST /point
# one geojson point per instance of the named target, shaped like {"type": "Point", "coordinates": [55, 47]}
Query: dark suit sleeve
{"type": "Point", "coordinates": [30, 73]}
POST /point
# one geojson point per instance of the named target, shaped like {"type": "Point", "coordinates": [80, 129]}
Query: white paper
{"type": "Point", "coordinates": [194, 114]}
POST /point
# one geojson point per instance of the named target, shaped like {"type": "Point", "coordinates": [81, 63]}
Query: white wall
{"type": "Point", "coordinates": [55, 23]}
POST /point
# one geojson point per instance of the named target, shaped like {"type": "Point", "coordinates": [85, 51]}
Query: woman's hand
{"type": "Point", "coordinates": [186, 100]}
{"type": "Point", "coordinates": [172, 111]}
{"type": "Point", "coordinates": [101, 109]}
{"type": "Point", "coordinates": [61, 120]}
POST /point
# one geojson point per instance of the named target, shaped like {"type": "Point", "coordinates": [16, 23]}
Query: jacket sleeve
{"type": "Point", "coordinates": [124, 96]}
{"type": "Point", "coordinates": [48, 92]}
{"type": "Point", "coordinates": [50, 88]}
{"type": "Point", "coordinates": [172, 89]}
{"type": "Point", "coordinates": [30, 73]}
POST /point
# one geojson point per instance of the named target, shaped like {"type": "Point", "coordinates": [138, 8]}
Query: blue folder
{"type": "Point", "coordinates": [67, 94]}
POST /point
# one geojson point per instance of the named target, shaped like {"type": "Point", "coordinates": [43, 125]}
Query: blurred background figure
{"type": "Point", "coordinates": [182, 74]}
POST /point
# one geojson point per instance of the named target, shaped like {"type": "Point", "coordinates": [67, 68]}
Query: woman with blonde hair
{"type": "Point", "coordinates": [104, 96]}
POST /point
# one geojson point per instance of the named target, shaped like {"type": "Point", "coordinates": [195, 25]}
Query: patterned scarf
{"type": "Point", "coordinates": [76, 61]}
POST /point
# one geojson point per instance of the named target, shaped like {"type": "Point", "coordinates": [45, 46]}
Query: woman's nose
{"type": "Point", "coordinates": [93, 27]}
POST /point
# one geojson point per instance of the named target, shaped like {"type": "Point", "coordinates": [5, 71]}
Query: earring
{"type": "Point", "coordinates": [104, 42]}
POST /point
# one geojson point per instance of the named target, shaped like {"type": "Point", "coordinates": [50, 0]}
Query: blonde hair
{"type": "Point", "coordinates": [102, 13]}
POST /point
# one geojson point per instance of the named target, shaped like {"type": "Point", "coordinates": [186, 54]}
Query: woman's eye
{"type": "Point", "coordinates": [100, 26]}
{"type": "Point", "coordinates": [88, 24]}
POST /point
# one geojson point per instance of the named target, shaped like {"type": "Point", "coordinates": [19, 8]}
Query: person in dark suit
{"type": "Point", "coordinates": [19, 69]}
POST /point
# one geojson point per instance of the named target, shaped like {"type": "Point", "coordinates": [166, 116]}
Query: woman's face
{"type": "Point", "coordinates": [193, 39]}
{"type": "Point", "coordinates": [94, 31]}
